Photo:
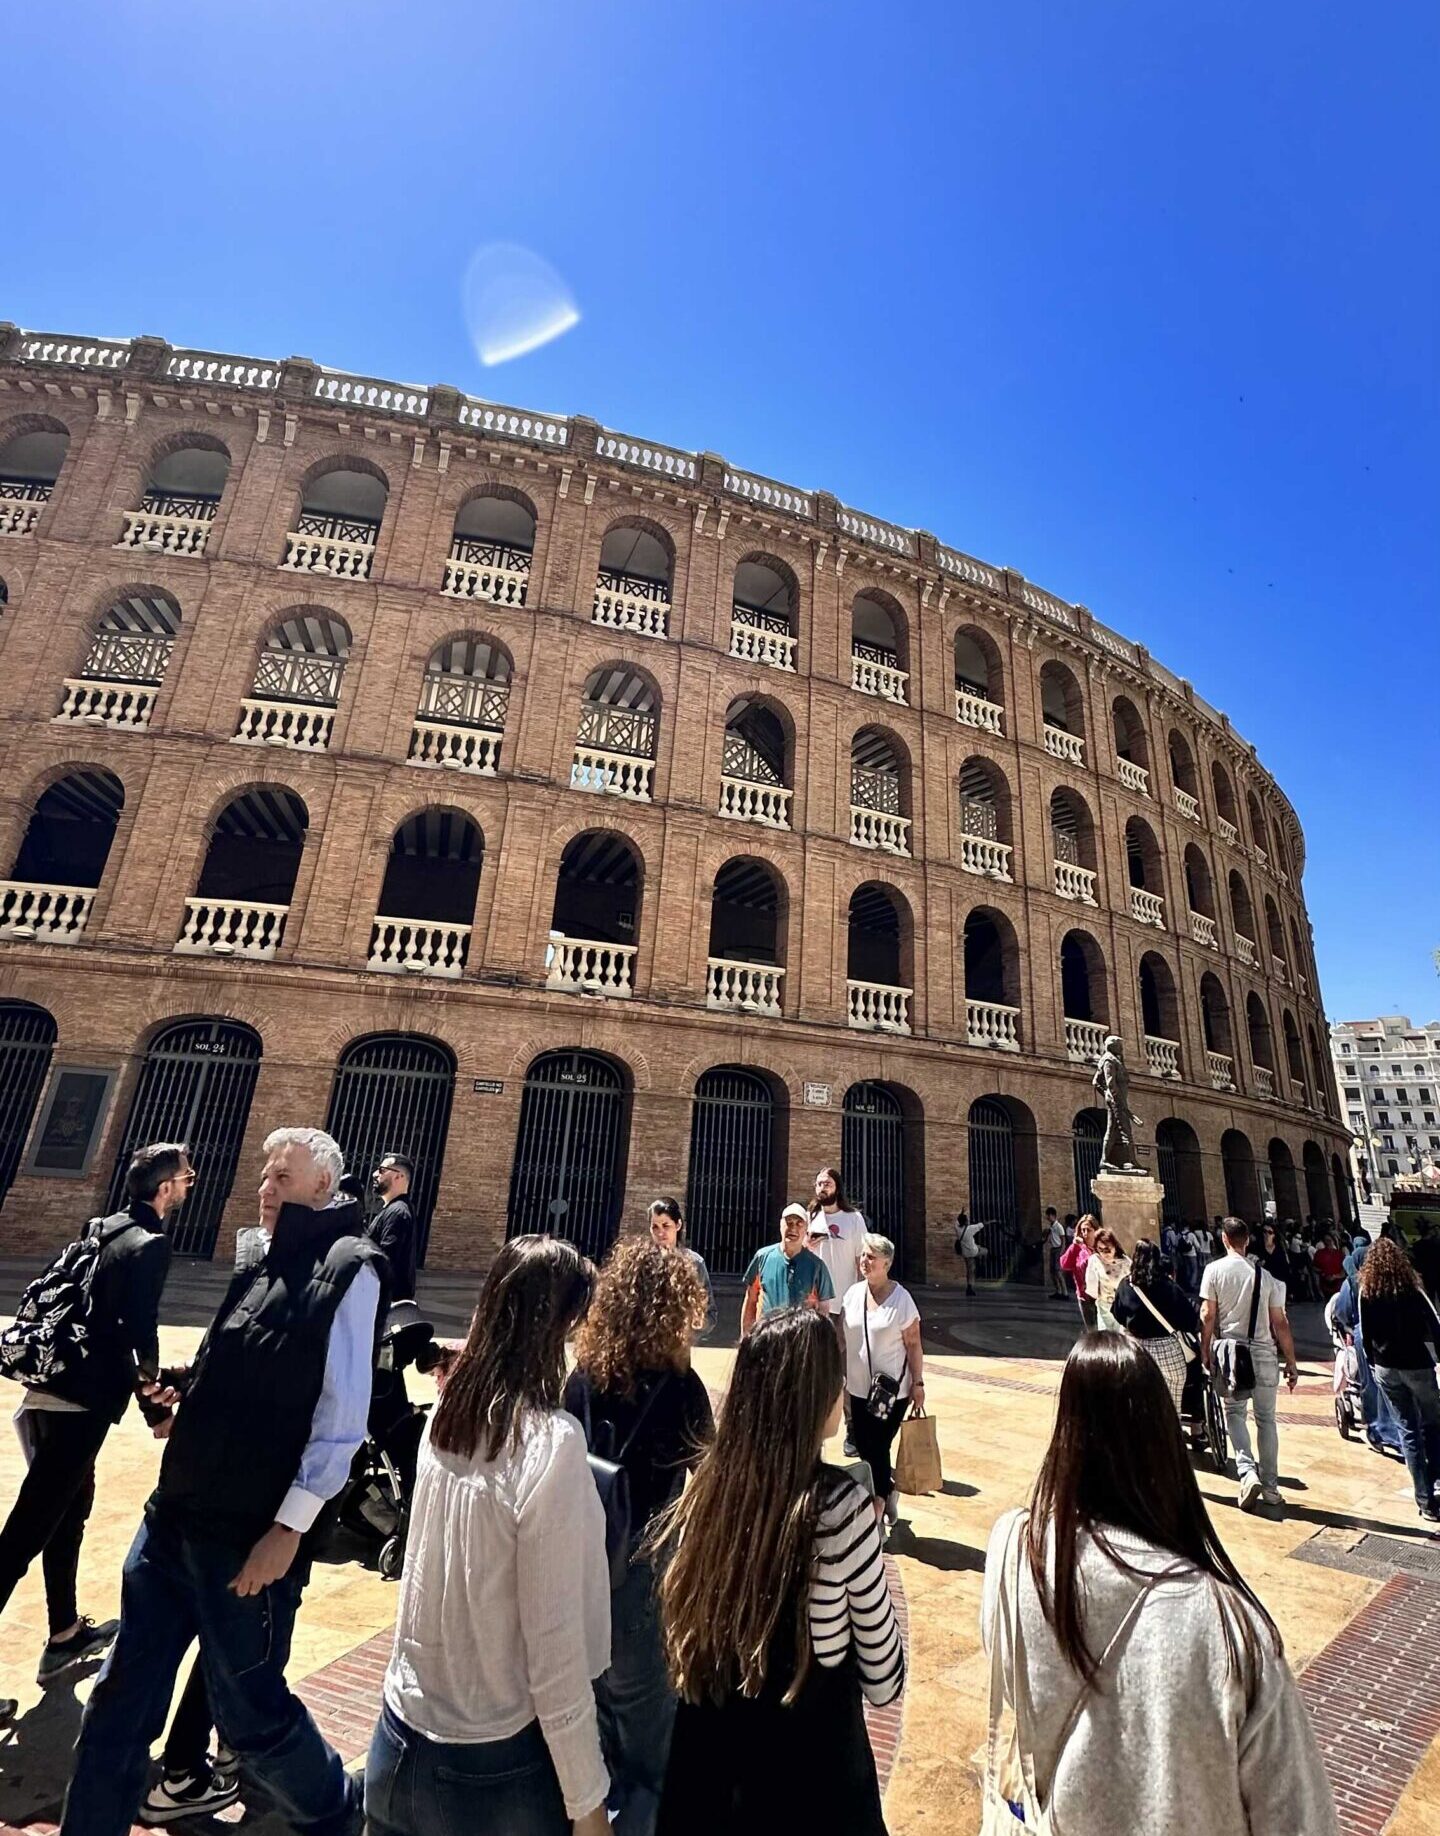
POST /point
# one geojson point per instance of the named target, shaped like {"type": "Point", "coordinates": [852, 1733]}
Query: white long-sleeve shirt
{"type": "Point", "coordinates": [504, 1614]}
{"type": "Point", "coordinates": [338, 1425]}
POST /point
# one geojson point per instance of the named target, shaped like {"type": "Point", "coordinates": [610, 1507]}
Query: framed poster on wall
{"type": "Point", "coordinates": [72, 1119]}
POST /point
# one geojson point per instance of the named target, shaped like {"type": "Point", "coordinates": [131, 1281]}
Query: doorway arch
{"type": "Point", "coordinates": [392, 1095]}
{"type": "Point", "coordinates": [567, 1177]}
{"type": "Point", "coordinates": [730, 1201]}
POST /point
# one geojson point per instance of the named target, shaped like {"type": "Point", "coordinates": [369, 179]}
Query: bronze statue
{"type": "Point", "coordinates": [1112, 1085]}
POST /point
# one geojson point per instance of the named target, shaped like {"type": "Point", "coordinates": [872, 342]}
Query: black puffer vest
{"type": "Point", "coordinates": [239, 1434]}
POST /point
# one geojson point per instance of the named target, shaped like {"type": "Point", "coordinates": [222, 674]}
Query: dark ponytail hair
{"type": "Point", "coordinates": [668, 1208]}
{"type": "Point", "coordinates": [1144, 1265]}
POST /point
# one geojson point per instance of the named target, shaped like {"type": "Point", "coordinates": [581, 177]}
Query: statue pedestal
{"type": "Point", "coordinates": [1130, 1205]}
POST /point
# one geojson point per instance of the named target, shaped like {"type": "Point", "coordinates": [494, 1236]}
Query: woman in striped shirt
{"type": "Point", "coordinates": [776, 1607]}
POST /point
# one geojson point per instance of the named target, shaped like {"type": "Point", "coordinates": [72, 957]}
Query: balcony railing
{"type": "Point", "coordinates": [1163, 1057]}
{"type": "Point", "coordinates": [617, 773]}
{"type": "Point", "coordinates": [1188, 806]}
{"type": "Point", "coordinates": [1132, 776]}
{"type": "Point", "coordinates": [487, 570]}
{"type": "Point", "coordinates": [1084, 1040]}
{"type": "Point", "coordinates": [1261, 856]}
{"type": "Point", "coordinates": [743, 801]}
{"type": "Point", "coordinates": [1221, 1069]}
{"type": "Point", "coordinates": [1072, 882]}
{"type": "Point", "coordinates": [1279, 968]}
{"type": "Point", "coordinates": [879, 829]}
{"type": "Point", "coordinates": [341, 546]}
{"type": "Point", "coordinates": [742, 988]}
{"type": "Point", "coordinates": [125, 706]}
{"type": "Point", "coordinates": [1203, 930]}
{"type": "Point", "coordinates": [760, 637]}
{"type": "Point", "coordinates": [300, 726]}
{"type": "Point", "coordinates": [576, 965]}
{"type": "Point", "coordinates": [987, 1023]}
{"type": "Point", "coordinates": [1228, 831]}
{"type": "Point", "coordinates": [166, 524]}
{"type": "Point", "coordinates": [628, 602]}
{"type": "Point", "coordinates": [877, 1007]}
{"type": "Point", "coordinates": [20, 505]}
{"type": "Point", "coordinates": [34, 913]}
{"type": "Point", "coordinates": [296, 675]}
{"type": "Point", "coordinates": [1245, 950]}
{"type": "Point", "coordinates": [1062, 745]}
{"type": "Point", "coordinates": [464, 701]}
{"type": "Point", "coordinates": [418, 947]}
{"type": "Point", "coordinates": [978, 854]}
{"type": "Point", "coordinates": [1265, 1083]}
{"type": "Point", "coordinates": [973, 710]}
{"type": "Point", "coordinates": [874, 671]}
{"type": "Point", "coordinates": [454, 748]}
{"type": "Point", "coordinates": [232, 927]}
{"type": "Point", "coordinates": [1147, 907]}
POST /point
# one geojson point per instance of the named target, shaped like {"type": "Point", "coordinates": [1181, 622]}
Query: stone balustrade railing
{"type": "Point", "coordinates": [125, 706]}
{"type": "Point", "coordinates": [877, 1007]}
{"type": "Point", "coordinates": [20, 505]}
{"type": "Point", "coordinates": [1132, 776]}
{"type": "Point", "coordinates": [871, 676]}
{"type": "Point", "coordinates": [1265, 1083]}
{"type": "Point", "coordinates": [976, 711]}
{"type": "Point", "coordinates": [371, 394]}
{"type": "Point", "coordinates": [1228, 832]}
{"type": "Point", "coordinates": [1280, 968]}
{"type": "Point", "coordinates": [625, 602]}
{"type": "Point", "coordinates": [1261, 856]}
{"type": "Point", "coordinates": [232, 927]}
{"type": "Point", "coordinates": [74, 353]}
{"type": "Point", "coordinates": [879, 829]}
{"type": "Point", "coordinates": [978, 854]}
{"type": "Point", "coordinates": [1072, 882]}
{"type": "Point", "coordinates": [668, 461]}
{"type": "Point", "coordinates": [31, 912]}
{"type": "Point", "coordinates": [744, 801]}
{"type": "Point", "coordinates": [1245, 950]}
{"type": "Point", "coordinates": [617, 773]}
{"type": "Point", "coordinates": [1147, 907]}
{"type": "Point", "coordinates": [223, 372]}
{"type": "Point", "coordinates": [514, 423]}
{"type": "Point", "coordinates": [455, 748]}
{"type": "Point", "coordinates": [766, 494]}
{"type": "Point", "coordinates": [987, 1023]}
{"type": "Point", "coordinates": [301, 726]}
{"type": "Point", "coordinates": [1084, 1040]}
{"type": "Point", "coordinates": [418, 946]}
{"type": "Point", "coordinates": [889, 536]}
{"type": "Point", "coordinates": [742, 988]}
{"type": "Point", "coordinates": [769, 644]}
{"type": "Point", "coordinates": [487, 570]}
{"type": "Point", "coordinates": [1222, 1070]}
{"type": "Point", "coordinates": [1188, 806]}
{"type": "Point", "coordinates": [578, 965]}
{"type": "Point", "coordinates": [1062, 745]}
{"type": "Point", "coordinates": [164, 526]}
{"type": "Point", "coordinates": [322, 554]}
{"type": "Point", "coordinates": [1204, 931]}
{"type": "Point", "coordinates": [1163, 1057]}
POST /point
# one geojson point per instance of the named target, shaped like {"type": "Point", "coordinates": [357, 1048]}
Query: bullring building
{"type": "Point", "coordinates": [590, 819]}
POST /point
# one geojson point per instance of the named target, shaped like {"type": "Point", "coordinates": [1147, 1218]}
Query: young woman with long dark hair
{"type": "Point", "coordinates": [1401, 1337]}
{"type": "Point", "coordinates": [1158, 1314]}
{"type": "Point", "coordinates": [776, 1610]}
{"type": "Point", "coordinates": [488, 1724]}
{"type": "Point", "coordinates": [1152, 1689]}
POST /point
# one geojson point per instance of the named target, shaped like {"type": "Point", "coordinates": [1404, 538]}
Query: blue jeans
{"type": "Point", "coordinates": [1262, 1400]}
{"type": "Point", "coordinates": [420, 1787]}
{"type": "Point", "coordinates": [1414, 1397]}
{"type": "Point", "coordinates": [635, 1705]}
{"type": "Point", "coordinates": [176, 1588]}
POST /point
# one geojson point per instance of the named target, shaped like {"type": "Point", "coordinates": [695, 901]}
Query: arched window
{"type": "Point", "coordinates": [1159, 1016]}
{"type": "Point", "coordinates": [879, 663]}
{"type": "Point", "coordinates": [1257, 826]}
{"type": "Point", "coordinates": [248, 879]}
{"type": "Point", "coordinates": [339, 523]}
{"type": "Point", "coordinates": [1242, 916]}
{"type": "Point", "coordinates": [427, 901]}
{"type": "Point", "coordinates": [181, 497]}
{"type": "Point", "coordinates": [1084, 998]}
{"type": "Point", "coordinates": [125, 662]}
{"type": "Point", "coordinates": [1072, 843]}
{"type": "Point", "coordinates": [296, 690]}
{"type": "Point", "coordinates": [1226, 814]}
{"type": "Point", "coordinates": [755, 766]}
{"type": "Point", "coordinates": [879, 792]}
{"type": "Point", "coordinates": [979, 681]}
{"type": "Point", "coordinates": [762, 613]}
{"type": "Point", "coordinates": [985, 832]}
{"type": "Point", "coordinates": [1242, 1187]}
{"type": "Point", "coordinates": [877, 960]}
{"type": "Point", "coordinates": [1142, 860]}
{"type": "Point", "coordinates": [1183, 776]}
{"type": "Point", "coordinates": [1318, 1199]}
{"type": "Point", "coordinates": [568, 1175]}
{"type": "Point", "coordinates": [1262, 1051]}
{"type": "Point", "coordinates": [1178, 1162]}
{"type": "Point", "coordinates": [62, 857]}
{"type": "Point", "coordinates": [1321, 1073]}
{"type": "Point", "coordinates": [617, 735]}
{"type": "Point", "coordinates": [733, 1195]}
{"type": "Point", "coordinates": [1004, 1179]}
{"type": "Point", "coordinates": [1200, 897]}
{"type": "Point", "coordinates": [1063, 708]}
{"type": "Point", "coordinates": [1215, 1023]}
{"type": "Point", "coordinates": [745, 969]}
{"type": "Point", "coordinates": [391, 1095]}
{"type": "Point", "coordinates": [1276, 935]}
{"type": "Point", "coordinates": [1294, 1058]}
{"type": "Point", "coordinates": [491, 550]}
{"type": "Point", "coordinates": [1282, 1178]}
{"type": "Point", "coordinates": [1298, 959]}
{"type": "Point", "coordinates": [27, 1044]}
{"type": "Point", "coordinates": [464, 699]}
{"type": "Point", "coordinates": [992, 980]}
{"type": "Point", "coordinates": [30, 463]}
{"type": "Point", "coordinates": [1279, 855]}
{"type": "Point", "coordinates": [633, 586]}
{"type": "Point", "coordinates": [1132, 747]}
{"type": "Point", "coordinates": [596, 918]}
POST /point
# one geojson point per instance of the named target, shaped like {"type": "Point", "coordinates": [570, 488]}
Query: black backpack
{"type": "Point", "coordinates": [49, 1337]}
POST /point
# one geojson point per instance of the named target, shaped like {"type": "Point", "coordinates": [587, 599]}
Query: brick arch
{"type": "Point", "coordinates": [665, 534]}
{"type": "Point", "coordinates": [160, 1011]}
{"type": "Point", "coordinates": [605, 1039]}
{"type": "Point", "coordinates": [758, 847]}
{"type": "Point", "coordinates": [69, 1005]}
{"type": "Point", "coordinates": [183, 439]}
{"type": "Point", "coordinates": [225, 790]}
{"type": "Point", "coordinates": [611, 660]}
{"type": "Point", "coordinates": [64, 421]}
{"type": "Point", "coordinates": [46, 775]}
{"type": "Point", "coordinates": [900, 618]}
{"type": "Point", "coordinates": [742, 552]}
{"type": "Point", "coordinates": [395, 1015]}
{"type": "Point", "coordinates": [487, 484]}
{"type": "Point", "coordinates": [780, 1071]}
{"type": "Point", "coordinates": [344, 459]}
{"type": "Point", "coordinates": [101, 601]}
{"type": "Point", "coordinates": [480, 802]}
{"type": "Point", "coordinates": [563, 833]}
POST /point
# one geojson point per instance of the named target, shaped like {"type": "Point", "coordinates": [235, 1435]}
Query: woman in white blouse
{"type": "Point", "coordinates": [882, 1339]}
{"type": "Point", "coordinates": [488, 1723]}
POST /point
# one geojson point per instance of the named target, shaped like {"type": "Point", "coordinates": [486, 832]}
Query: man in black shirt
{"type": "Point", "coordinates": [392, 1229]}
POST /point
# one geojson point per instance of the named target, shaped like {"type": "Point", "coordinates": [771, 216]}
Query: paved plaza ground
{"type": "Point", "coordinates": [1355, 1588]}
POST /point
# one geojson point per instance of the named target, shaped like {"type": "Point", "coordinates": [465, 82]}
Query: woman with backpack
{"type": "Point", "coordinates": [1400, 1334]}
{"type": "Point", "coordinates": [644, 1409]}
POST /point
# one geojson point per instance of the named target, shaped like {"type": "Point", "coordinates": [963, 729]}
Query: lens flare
{"type": "Point", "coordinates": [514, 302]}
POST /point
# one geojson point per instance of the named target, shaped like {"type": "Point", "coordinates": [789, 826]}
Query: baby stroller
{"type": "Point", "coordinates": [1204, 1414]}
{"type": "Point", "coordinates": [1349, 1391]}
{"type": "Point", "coordinates": [376, 1505]}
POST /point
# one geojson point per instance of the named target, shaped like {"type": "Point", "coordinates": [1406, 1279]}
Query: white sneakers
{"type": "Point", "coordinates": [189, 1795]}
{"type": "Point", "coordinates": [1252, 1493]}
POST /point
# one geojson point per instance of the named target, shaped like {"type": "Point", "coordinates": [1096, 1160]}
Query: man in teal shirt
{"type": "Point", "coordinates": [786, 1274]}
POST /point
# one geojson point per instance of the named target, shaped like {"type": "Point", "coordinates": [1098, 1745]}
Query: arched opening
{"type": "Point", "coordinates": [1298, 959]}
{"type": "Point", "coordinates": [596, 916]}
{"type": "Point", "coordinates": [568, 1175]}
{"type": "Point", "coordinates": [1294, 1057]}
{"type": "Point", "coordinates": [1061, 703]}
{"type": "Point", "coordinates": [1276, 936]}
{"type": "Point", "coordinates": [616, 739]}
{"type": "Point", "coordinates": [181, 498]}
{"type": "Point", "coordinates": [1321, 1073]}
{"type": "Point", "coordinates": [29, 465]}
{"type": "Point", "coordinates": [985, 831]}
{"type": "Point", "coordinates": [491, 548]}
{"type": "Point", "coordinates": [1178, 1163]}
{"type": "Point", "coordinates": [27, 1044]}
{"type": "Point", "coordinates": [633, 586]}
{"type": "Point", "coordinates": [1183, 776]}
{"type": "Point", "coordinates": [744, 972]}
{"type": "Point", "coordinates": [881, 1152]}
{"type": "Point", "coordinates": [1262, 1051]}
{"type": "Point", "coordinates": [1242, 916]}
{"type": "Point", "coordinates": [1004, 1181]}
{"type": "Point", "coordinates": [248, 879]}
{"type": "Point", "coordinates": [992, 980]}
{"type": "Point", "coordinates": [1242, 1186]}
{"type": "Point", "coordinates": [1340, 1185]}
{"type": "Point", "coordinates": [1282, 1178]}
{"type": "Point", "coordinates": [1087, 1137]}
{"type": "Point", "coordinates": [762, 613]}
{"type": "Point", "coordinates": [1072, 845]}
{"type": "Point", "coordinates": [879, 792]}
{"type": "Point", "coordinates": [391, 1095]}
{"type": "Point", "coordinates": [733, 1196]}
{"type": "Point", "coordinates": [427, 899]}
{"type": "Point", "coordinates": [1200, 897]}
{"type": "Point", "coordinates": [1084, 1001]}
{"type": "Point", "coordinates": [195, 1086]}
{"type": "Point", "coordinates": [1225, 810]}
{"type": "Point", "coordinates": [877, 960]}
{"type": "Point", "coordinates": [62, 857]}
{"type": "Point", "coordinates": [879, 658]}
{"type": "Point", "coordinates": [338, 525]}
{"type": "Point", "coordinates": [1142, 861]}
{"type": "Point", "coordinates": [755, 766]}
{"type": "Point", "coordinates": [1257, 824]}
{"type": "Point", "coordinates": [125, 662]}
{"type": "Point", "coordinates": [464, 700]}
{"type": "Point", "coordinates": [1219, 1041]}
{"type": "Point", "coordinates": [1160, 1016]}
{"type": "Point", "coordinates": [1279, 854]}
{"type": "Point", "coordinates": [296, 690]}
{"type": "Point", "coordinates": [979, 681]}
{"type": "Point", "coordinates": [1132, 746]}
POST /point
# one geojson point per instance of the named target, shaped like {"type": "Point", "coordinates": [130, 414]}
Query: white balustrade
{"type": "Point", "coordinates": [1277, 964]}
{"type": "Point", "coordinates": [301, 726]}
{"type": "Point", "coordinates": [879, 829]}
{"type": "Point", "coordinates": [418, 947]}
{"type": "Point", "coordinates": [232, 927]}
{"type": "Point", "coordinates": [978, 854]}
{"type": "Point", "coordinates": [168, 532]}
{"type": "Point", "coordinates": [1228, 831]}
{"type": "Point", "coordinates": [126, 706]}
{"type": "Point", "coordinates": [876, 1007]}
{"type": "Point", "coordinates": [1133, 777]}
{"type": "Point", "coordinates": [743, 801]}
{"type": "Point", "coordinates": [1203, 930]}
{"type": "Point", "coordinates": [1084, 1040]}
{"type": "Point", "coordinates": [1221, 1069]}
{"type": "Point", "coordinates": [487, 570]}
{"type": "Point", "coordinates": [31, 912]}
{"type": "Point", "coordinates": [452, 748]}
{"type": "Point", "coordinates": [756, 644]}
{"type": "Point", "coordinates": [1245, 950]}
{"type": "Point", "coordinates": [742, 988]}
{"type": "Point", "coordinates": [578, 965]}
{"type": "Point", "coordinates": [1262, 856]}
{"type": "Point", "coordinates": [873, 677]}
{"type": "Point", "coordinates": [1265, 1082]}
{"type": "Point", "coordinates": [624, 602]}
{"type": "Point", "coordinates": [1072, 882]}
{"type": "Point", "coordinates": [1188, 806]}
{"type": "Point", "coordinates": [1147, 907]}
{"type": "Point", "coordinates": [327, 554]}
{"type": "Point", "coordinates": [617, 773]}
{"type": "Point", "coordinates": [20, 506]}
{"type": "Point", "coordinates": [1163, 1057]}
{"type": "Point", "coordinates": [976, 711]}
{"type": "Point", "coordinates": [989, 1024]}
{"type": "Point", "coordinates": [1062, 745]}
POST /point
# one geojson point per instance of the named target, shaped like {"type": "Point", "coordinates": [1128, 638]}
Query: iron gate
{"type": "Point", "coordinates": [729, 1206]}
{"type": "Point", "coordinates": [391, 1095]}
{"type": "Point", "coordinates": [992, 1187]}
{"type": "Point", "coordinates": [569, 1151]}
{"type": "Point", "coordinates": [872, 1162]}
{"type": "Point", "coordinates": [1167, 1166]}
{"type": "Point", "coordinates": [1087, 1137]}
{"type": "Point", "coordinates": [27, 1042]}
{"type": "Point", "coordinates": [195, 1086]}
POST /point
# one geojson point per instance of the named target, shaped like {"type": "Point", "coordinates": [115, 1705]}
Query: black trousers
{"type": "Point", "coordinates": [187, 1745]}
{"type": "Point", "coordinates": [50, 1509]}
{"type": "Point", "coordinates": [874, 1440]}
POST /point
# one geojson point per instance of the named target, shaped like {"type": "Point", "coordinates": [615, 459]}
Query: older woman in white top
{"type": "Point", "coordinates": [882, 1340]}
{"type": "Point", "coordinates": [488, 1723]}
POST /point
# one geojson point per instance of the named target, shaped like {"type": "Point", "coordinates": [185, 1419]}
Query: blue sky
{"type": "Point", "coordinates": [1138, 298]}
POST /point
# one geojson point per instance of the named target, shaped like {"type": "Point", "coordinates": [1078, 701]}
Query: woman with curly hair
{"type": "Point", "coordinates": [1401, 1336]}
{"type": "Point", "coordinates": [643, 1407]}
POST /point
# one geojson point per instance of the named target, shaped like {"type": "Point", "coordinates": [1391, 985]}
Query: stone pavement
{"type": "Point", "coordinates": [1354, 1587]}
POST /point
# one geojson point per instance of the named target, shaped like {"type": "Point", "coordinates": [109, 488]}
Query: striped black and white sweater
{"type": "Point", "coordinates": [850, 1604]}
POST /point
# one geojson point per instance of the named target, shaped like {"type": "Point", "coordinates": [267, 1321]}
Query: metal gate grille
{"type": "Point", "coordinates": [872, 1162]}
{"type": "Point", "coordinates": [195, 1086]}
{"type": "Point", "coordinates": [1087, 1136]}
{"type": "Point", "coordinates": [992, 1187]}
{"type": "Point", "coordinates": [728, 1209]}
{"type": "Point", "coordinates": [391, 1095]}
{"type": "Point", "coordinates": [1167, 1164]}
{"type": "Point", "coordinates": [567, 1173]}
{"type": "Point", "coordinates": [27, 1040]}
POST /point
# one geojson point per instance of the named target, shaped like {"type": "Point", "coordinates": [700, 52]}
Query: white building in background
{"type": "Point", "coordinates": [1388, 1075]}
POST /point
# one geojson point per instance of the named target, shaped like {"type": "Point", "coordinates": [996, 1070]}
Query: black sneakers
{"type": "Point", "coordinates": [88, 1642]}
{"type": "Point", "coordinates": [188, 1795]}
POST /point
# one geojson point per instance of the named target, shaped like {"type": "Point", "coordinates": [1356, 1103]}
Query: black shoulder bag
{"type": "Point", "coordinates": [884, 1396]}
{"type": "Point", "coordinates": [612, 1482]}
{"type": "Point", "coordinates": [1244, 1368]}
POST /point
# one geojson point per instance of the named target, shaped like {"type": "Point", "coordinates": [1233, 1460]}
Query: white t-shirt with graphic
{"type": "Point", "coordinates": [836, 1237]}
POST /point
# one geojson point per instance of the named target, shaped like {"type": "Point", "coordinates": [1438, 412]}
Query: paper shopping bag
{"type": "Point", "coordinates": [917, 1464]}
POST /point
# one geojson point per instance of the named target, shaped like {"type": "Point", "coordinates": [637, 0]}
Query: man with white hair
{"type": "Point", "coordinates": [268, 1420]}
